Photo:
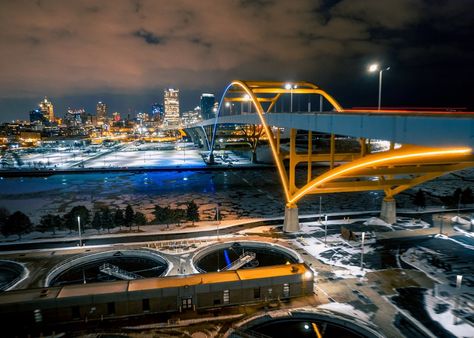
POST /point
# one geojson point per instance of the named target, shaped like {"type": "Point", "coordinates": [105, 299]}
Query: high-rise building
{"type": "Point", "coordinates": [36, 116]}
{"type": "Point", "coordinates": [157, 112]}
{"type": "Point", "coordinates": [75, 117]}
{"type": "Point", "coordinates": [207, 105]}
{"type": "Point", "coordinates": [46, 108]}
{"type": "Point", "coordinates": [171, 116]}
{"type": "Point", "coordinates": [101, 111]}
{"type": "Point", "coordinates": [192, 116]}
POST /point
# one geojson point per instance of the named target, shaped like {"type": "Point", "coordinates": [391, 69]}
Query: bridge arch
{"type": "Point", "coordinates": [252, 88]}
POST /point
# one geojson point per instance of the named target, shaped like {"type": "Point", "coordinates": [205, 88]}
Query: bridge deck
{"type": "Point", "coordinates": [437, 129]}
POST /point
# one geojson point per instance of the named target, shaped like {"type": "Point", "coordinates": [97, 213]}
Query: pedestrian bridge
{"type": "Point", "coordinates": [429, 144]}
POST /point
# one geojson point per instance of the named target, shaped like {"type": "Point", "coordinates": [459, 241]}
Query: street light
{"type": "Point", "coordinates": [362, 252]}
{"type": "Point", "coordinates": [79, 227]}
{"type": "Point", "coordinates": [373, 68]}
{"type": "Point", "coordinates": [458, 294]}
{"type": "Point", "coordinates": [320, 204]}
{"type": "Point", "coordinates": [440, 218]}
{"type": "Point", "coordinates": [325, 229]}
{"type": "Point", "coordinates": [290, 87]}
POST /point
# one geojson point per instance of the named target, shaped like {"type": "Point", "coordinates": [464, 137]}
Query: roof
{"type": "Point", "coordinates": [217, 277]}
{"type": "Point", "coordinates": [92, 289]}
{"type": "Point", "coordinates": [178, 281]}
{"type": "Point", "coordinates": [28, 295]}
{"type": "Point", "coordinates": [272, 271]}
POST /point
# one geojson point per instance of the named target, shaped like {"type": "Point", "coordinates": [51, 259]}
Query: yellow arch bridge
{"type": "Point", "coordinates": [391, 171]}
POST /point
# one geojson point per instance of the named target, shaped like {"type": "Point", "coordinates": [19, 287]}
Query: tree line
{"type": "Point", "coordinates": [103, 218]}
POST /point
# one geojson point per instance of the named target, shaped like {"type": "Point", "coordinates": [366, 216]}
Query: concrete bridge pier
{"type": "Point", "coordinates": [291, 223]}
{"type": "Point", "coordinates": [389, 210]}
{"type": "Point", "coordinates": [210, 159]}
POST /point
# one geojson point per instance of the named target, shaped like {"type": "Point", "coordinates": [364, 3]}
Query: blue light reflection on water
{"type": "Point", "coordinates": [97, 183]}
{"type": "Point", "coordinates": [226, 255]}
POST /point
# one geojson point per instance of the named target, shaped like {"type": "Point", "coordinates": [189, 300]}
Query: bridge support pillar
{"type": "Point", "coordinates": [389, 210]}
{"type": "Point", "coordinates": [210, 159]}
{"type": "Point", "coordinates": [291, 223]}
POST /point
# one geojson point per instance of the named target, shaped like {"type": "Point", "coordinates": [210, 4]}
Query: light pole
{"type": "Point", "coordinates": [441, 224]}
{"type": "Point", "coordinates": [362, 252]}
{"type": "Point", "coordinates": [320, 204]}
{"type": "Point", "coordinates": [325, 229]}
{"type": "Point", "coordinates": [79, 228]}
{"type": "Point", "coordinates": [290, 87]}
{"type": "Point", "coordinates": [373, 68]}
{"type": "Point", "coordinates": [458, 294]}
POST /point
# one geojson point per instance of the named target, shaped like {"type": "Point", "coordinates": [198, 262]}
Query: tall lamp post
{"type": "Point", "coordinates": [458, 295]}
{"type": "Point", "coordinates": [325, 229]}
{"type": "Point", "coordinates": [373, 68]}
{"type": "Point", "coordinates": [290, 87]}
{"type": "Point", "coordinates": [362, 252]}
{"type": "Point", "coordinates": [79, 227]}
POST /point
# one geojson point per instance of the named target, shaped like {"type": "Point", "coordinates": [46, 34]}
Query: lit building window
{"type": "Point", "coordinates": [226, 297]}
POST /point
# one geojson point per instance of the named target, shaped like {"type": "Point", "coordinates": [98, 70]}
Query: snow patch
{"type": "Point", "coordinates": [460, 220]}
{"type": "Point", "coordinates": [342, 251]}
{"type": "Point", "coordinates": [447, 319]}
{"type": "Point", "coordinates": [377, 221]}
{"type": "Point", "coordinates": [345, 309]}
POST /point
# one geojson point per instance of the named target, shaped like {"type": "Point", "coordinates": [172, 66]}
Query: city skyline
{"type": "Point", "coordinates": [125, 52]}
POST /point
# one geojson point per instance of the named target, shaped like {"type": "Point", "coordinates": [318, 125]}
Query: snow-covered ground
{"type": "Point", "coordinates": [346, 309]}
{"type": "Point", "coordinates": [126, 155]}
{"type": "Point", "coordinates": [446, 318]}
{"type": "Point", "coordinates": [336, 253]}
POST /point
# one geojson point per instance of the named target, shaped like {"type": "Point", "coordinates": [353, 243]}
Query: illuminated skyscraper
{"type": "Point", "coordinates": [157, 112]}
{"type": "Point", "coordinates": [207, 105]}
{"type": "Point", "coordinates": [171, 117]}
{"type": "Point", "coordinates": [101, 111]}
{"type": "Point", "coordinates": [36, 116]}
{"type": "Point", "coordinates": [47, 110]}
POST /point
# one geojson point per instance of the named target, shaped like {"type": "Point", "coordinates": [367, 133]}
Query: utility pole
{"type": "Point", "coordinates": [320, 204]}
{"type": "Point", "coordinates": [362, 252]}
{"type": "Point", "coordinates": [79, 227]}
{"type": "Point", "coordinates": [441, 224]}
{"type": "Point", "coordinates": [458, 295]}
{"type": "Point", "coordinates": [325, 229]}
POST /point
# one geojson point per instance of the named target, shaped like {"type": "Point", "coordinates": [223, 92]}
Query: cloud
{"type": "Point", "coordinates": [392, 14]}
{"type": "Point", "coordinates": [59, 48]}
{"type": "Point", "coordinates": [149, 37]}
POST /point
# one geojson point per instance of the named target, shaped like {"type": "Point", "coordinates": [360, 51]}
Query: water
{"type": "Point", "coordinates": [90, 273]}
{"type": "Point", "coordinates": [265, 256]}
{"type": "Point", "coordinates": [304, 328]}
{"type": "Point", "coordinates": [241, 193]}
{"type": "Point", "coordinates": [9, 271]}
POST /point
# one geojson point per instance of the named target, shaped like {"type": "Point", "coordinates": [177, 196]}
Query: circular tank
{"type": "Point", "coordinates": [10, 274]}
{"type": "Point", "coordinates": [311, 324]}
{"type": "Point", "coordinates": [222, 256]}
{"type": "Point", "coordinates": [108, 266]}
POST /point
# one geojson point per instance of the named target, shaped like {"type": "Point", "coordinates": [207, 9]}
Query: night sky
{"type": "Point", "coordinates": [125, 52]}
